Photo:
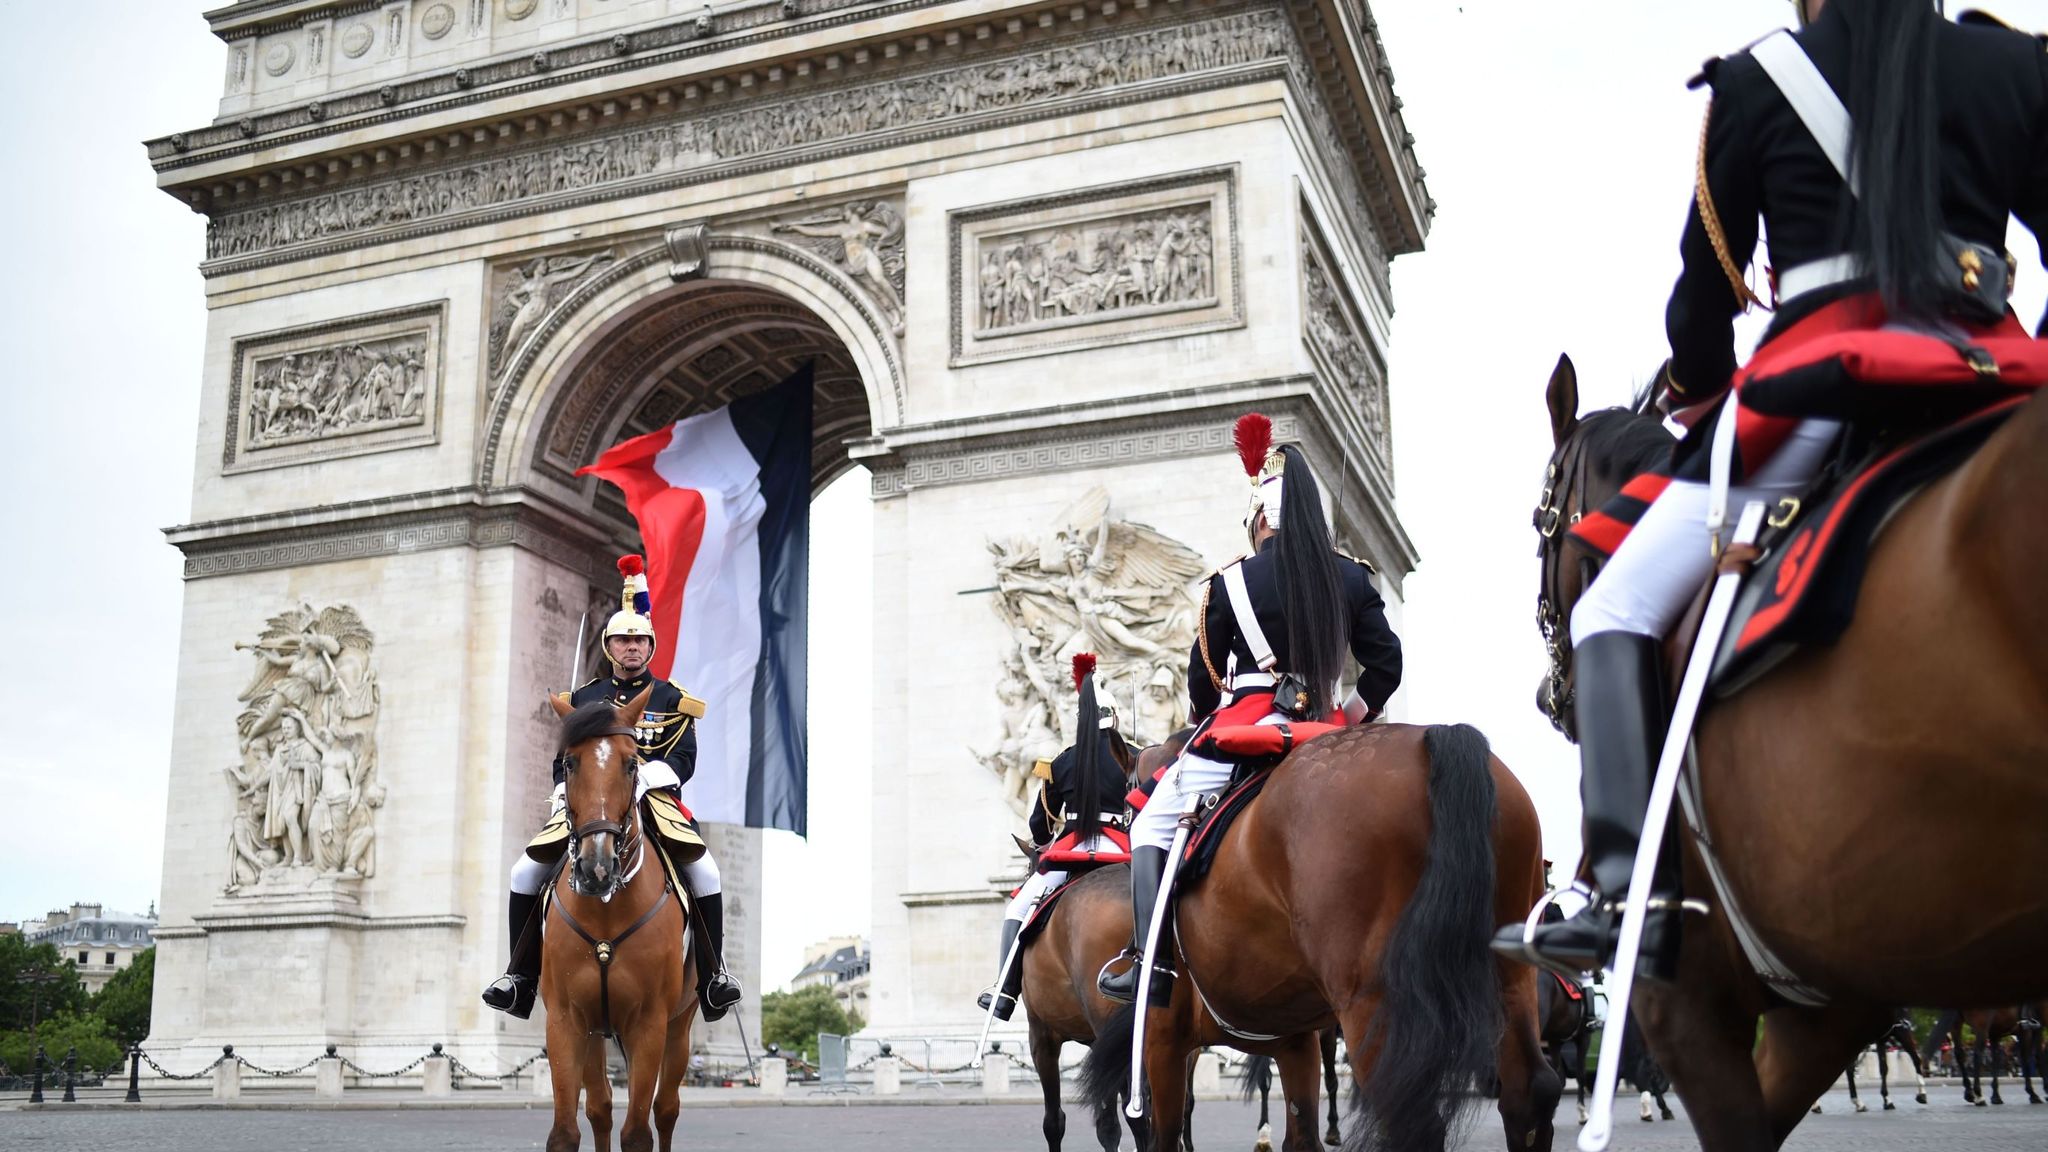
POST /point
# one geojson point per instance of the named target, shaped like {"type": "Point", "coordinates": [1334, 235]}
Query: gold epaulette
{"type": "Point", "coordinates": [1359, 560]}
{"type": "Point", "coordinates": [563, 697]}
{"type": "Point", "coordinates": [1042, 769]}
{"type": "Point", "coordinates": [690, 705]}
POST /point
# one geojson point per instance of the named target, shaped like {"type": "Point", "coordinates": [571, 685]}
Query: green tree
{"type": "Point", "coordinates": [124, 1003]}
{"type": "Point", "coordinates": [792, 1020]}
{"type": "Point", "coordinates": [96, 1049]}
{"type": "Point", "coordinates": [35, 981]}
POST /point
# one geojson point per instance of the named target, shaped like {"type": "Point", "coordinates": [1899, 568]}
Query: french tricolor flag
{"type": "Point", "coordinates": [723, 501]}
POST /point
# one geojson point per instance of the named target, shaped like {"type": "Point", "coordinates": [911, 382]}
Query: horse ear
{"type": "Point", "coordinates": [560, 700]}
{"type": "Point", "coordinates": [629, 713]}
{"type": "Point", "coordinates": [1563, 398]}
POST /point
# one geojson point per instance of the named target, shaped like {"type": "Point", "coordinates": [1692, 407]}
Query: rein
{"type": "Point", "coordinates": [627, 838]}
{"type": "Point", "coordinates": [1551, 521]}
{"type": "Point", "coordinates": [604, 950]}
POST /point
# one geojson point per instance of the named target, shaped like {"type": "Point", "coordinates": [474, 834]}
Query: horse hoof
{"type": "Point", "coordinates": [1980, 1101]}
{"type": "Point", "coordinates": [1815, 1109]}
{"type": "Point", "coordinates": [1861, 1107]}
{"type": "Point", "coordinates": [1920, 1098]}
{"type": "Point", "coordinates": [1890, 1107]}
{"type": "Point", "coordinates": [1666, 1113]}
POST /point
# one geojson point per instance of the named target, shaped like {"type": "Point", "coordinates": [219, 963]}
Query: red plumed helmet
{"type": "Point", "coordinates": [631, 565]}
{"type": "Point", "coordinates": [1084, 667]}
{"type": "Point", "coordinates": [1254, 438]}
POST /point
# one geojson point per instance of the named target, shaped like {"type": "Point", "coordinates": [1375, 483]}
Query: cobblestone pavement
{"type": "Point", "coordinates": [1946, 1123]}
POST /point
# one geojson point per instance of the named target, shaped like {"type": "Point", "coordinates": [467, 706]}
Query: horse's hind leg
{"type": "Point", "coordinates": [597, 1093]}
{"type": "Point", "coordinates": [1991, 1057]}
{"type": "Point", "coordinates": [2030, 1061]}
{"type": "Point", "coordinates": [1529, 1087]}
{"type": "Point", "coordinates": [1328, 1040]}
{"type": "Point", "coordinates": [1045, 1058]}
{"type": "Point", "coordinates": [1884, 1080]}
{"type": "Point", "coordinates": [1856, 1103]}
{"type": "Point", "coordinates": [1187, 1112]}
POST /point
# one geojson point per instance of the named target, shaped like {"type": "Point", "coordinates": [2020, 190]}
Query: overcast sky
{"type": "Point", "coordinates": [1558, 137]}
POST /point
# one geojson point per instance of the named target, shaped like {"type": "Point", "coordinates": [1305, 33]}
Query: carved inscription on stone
{"type": "Point", "coordinates": [306, 788]}
{"type": "Point", "coordinates": [863, 239]}
{"type": "Point", "coordinates": [524, 293]}
{"type": "Point", "coordinates": [1334, 332]}
{"type": "Point", "coordinates": [763, 127]}
{"type": "Point", "coordinates": [1106, 265]}
{"type": "Point", "coordinates": [364, 384]}
{"type": "Point", "coordinates": [1089, 582]}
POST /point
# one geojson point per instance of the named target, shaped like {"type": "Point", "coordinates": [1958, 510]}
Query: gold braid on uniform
{"type": "Point", "coordinates": [1711, 219]}
{"type": "Point", "coordinates": [1202, 637]}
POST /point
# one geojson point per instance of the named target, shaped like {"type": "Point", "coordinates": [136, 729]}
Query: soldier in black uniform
{"type": "Point", "coordinates": [1947, 137]}
{"type": "Point", "coordinates": [1277, 626]}
{"type": "Point", "coordinates": [667, 736]}
{"type": "Point", "coordinates": [1079, 812]}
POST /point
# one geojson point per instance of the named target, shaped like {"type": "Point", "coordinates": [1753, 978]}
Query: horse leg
{"type": "Point", "coordinates": [1187, 1112]}
{"type": "Point", "coordinates": [675, 1064]}
{"type": "Point", "coordinates": [1800, 1050]}
{"type": "Point", "coordinates": [2030, 1061]}
{"type": "Point", "coordinates": [1529, 1088]}
{"type": "Point", "coordinates": [1705, 1033]}
{"type": "Point", "coordinates": [566, 1072]}
{"type": "Point", "coordinates": [597, 1093]}
{"type": "Point", "coordinates": [1991, 1057]}
{"type": "Point", "coordinates": [1265, 1141]}
{"type": "Point", "coordinates": [1855, 1102]}
{"type": "Point", "coordinates": [1045, 1058]}
{"type": "Point", "coordinates": [1298, 1088]}
{"type": "Point", "coordinates": [645, 1054]}
{"type": "Point", "coordinates": [1884, 1080]}
{"type": "Point", "coordinates": [1166, 1075]}
{"type": "Point", "coordinates": [1328, 1039]}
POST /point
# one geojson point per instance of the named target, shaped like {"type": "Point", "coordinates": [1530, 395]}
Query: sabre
{"type": "Point", "coordinates": [1599, 1127]}
{"type": "Point", "coordinates": [1136, 1108]}
{"type": "Point", "coordinates": [576, 669]}
{"type": "Point", "coordinates": [996, 996]}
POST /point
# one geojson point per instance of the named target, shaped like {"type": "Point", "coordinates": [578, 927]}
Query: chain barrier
{"type": "Point", "coordinates": [261, 1071]}
{"type": "Point", "coordinates": [167, 1074]}
{"type": "Point", "coordinates": [465, 1070]}
{"type": "Point", "coordinates": [366, 1074]}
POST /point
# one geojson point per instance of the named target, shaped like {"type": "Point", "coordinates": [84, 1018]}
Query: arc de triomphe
{"type": "Point", "coordinates": [1040, 253]}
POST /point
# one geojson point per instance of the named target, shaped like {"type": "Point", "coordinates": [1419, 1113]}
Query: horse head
{"type": "Point", "coordinates": [1591, 458]}
{"type": "Point", "coordinates": [600, 763]}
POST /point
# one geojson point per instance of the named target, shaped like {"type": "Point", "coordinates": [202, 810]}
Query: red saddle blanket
{"type": "Point", "coordinates": [1247, 742]}
{"type": "Point", "coordinates": [1803, 592]}
{"type": "Point", "coordinates": [1062, 854]}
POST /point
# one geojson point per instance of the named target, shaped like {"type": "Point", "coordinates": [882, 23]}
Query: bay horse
{"type": "Point", "coordinates": [1989, 1027]}
{"type": "Point", "coordinates": [613, 952]}
{"type": "Point", "coordinates": [1565, 1026]}
{"type": "Point", "coordinates": [1359, 891]}
{"type": "Point", "coordinates": [1927, 708]}
{"type": "Point", "coordinates": [1258, 1081]}
{"type": "Point", "coordinates": [1901, 1034]}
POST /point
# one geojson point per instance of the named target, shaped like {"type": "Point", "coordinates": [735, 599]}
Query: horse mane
{"type": "Point", "coordinates": [588, 722]}
{"type": "Point", "coordinates": [1626, 442]}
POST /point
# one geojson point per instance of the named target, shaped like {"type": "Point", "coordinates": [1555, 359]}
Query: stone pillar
{"type": "Point", "coordinates": [437, 1079]}
{"type": "Point", "coordinates": [1208, 1076]}
{"type": "Point", "coordinates": [774, 1076]}
{"type": "Point", "coordinates": [888, 1076]}
{"type": "Point", "coordinates": [543, 1078]}
{"type": "Point", "coordinates": [995, 1075]}
{"type": "Point", "coordinates": [227, 1076]}
{"type": "Point", "coordinates": [327, 1077]}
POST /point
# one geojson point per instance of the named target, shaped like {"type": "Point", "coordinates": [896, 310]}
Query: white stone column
{"type": "Point", "coordinates": [774, 1076]}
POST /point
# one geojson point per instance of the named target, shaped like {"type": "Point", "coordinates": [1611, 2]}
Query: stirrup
{"type": "Point", "coordinates": [1547, 901]}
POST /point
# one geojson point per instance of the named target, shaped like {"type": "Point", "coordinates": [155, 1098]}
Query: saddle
{"type": "Point", "coordinates": [1203, 841]}
{"type": "Point", "coordinates": [674, 832]}
{"type": "Point", "coordinates": [1803, 591]}
{"type": "Point", "coordinates": [1065, 854]}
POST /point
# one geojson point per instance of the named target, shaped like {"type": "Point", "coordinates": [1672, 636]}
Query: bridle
{"type": "Point", "coordinates": [626, 837]}
{"type": "Point", "coordinates": [1552, 522]}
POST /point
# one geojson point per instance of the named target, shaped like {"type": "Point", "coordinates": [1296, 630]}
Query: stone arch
{"type": "Point", "coordinates": [626, 350]}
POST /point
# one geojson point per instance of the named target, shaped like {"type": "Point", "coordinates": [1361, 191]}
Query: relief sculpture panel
{"type": "Point", "coordinates": [1110, 265]}
{"type": "Point", "coordinates": [363, 384]}
{"type": "Point", "coordinates": [1334, 333]}
{"type": "Point", "coordinates": [1089, 582]}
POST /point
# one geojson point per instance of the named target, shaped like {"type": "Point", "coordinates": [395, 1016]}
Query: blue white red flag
{"type": "Point", "coordinates": [723, 502]}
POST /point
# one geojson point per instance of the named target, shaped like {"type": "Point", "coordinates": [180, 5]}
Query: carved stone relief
{"type": "Point", "coordinates": [362, 384]}
{"type": "Point", "coordinates": [306, 788]}
{"type": "Point", "coordinates": [1107, 265]}
{"type": "Point", "coordinates": [863, 239]}
{"type": "Point", "coordinates": [436, 21]}
{"type": "Point", "coordinates": [1089, 582]}
{"type": "Point", "coordinates": [760, 128]}
{"type": "Point", "coordinates": [1334, 332]}
{"type": "Point", "coordinates": [525, 293]}
{"type": "Point", "coordinates": [357, 40]}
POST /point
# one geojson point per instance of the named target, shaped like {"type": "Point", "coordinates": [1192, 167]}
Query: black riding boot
{"type": "Point", "coordinates": [1622, 719]}
{"type": "Point", "coordinates": [513, 992]}
{"type": "Point", "coordinates": [1148, 865]}
{"type": "Point", "coordinates": [1011, 982]}
{"type": "Point", "coordinates": [717, 989]}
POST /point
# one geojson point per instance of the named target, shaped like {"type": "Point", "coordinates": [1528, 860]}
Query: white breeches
{"type": "Point", "coordinates": [1190, 775]}
{"type": "Point", "coordinates": [1035, 888]}
{"type": "Point", "coordinates": [701, 874]}
{"type": "Point", "coordinates": [1648, 582]}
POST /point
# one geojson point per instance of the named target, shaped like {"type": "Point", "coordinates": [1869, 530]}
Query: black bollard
{"type": "Point", "coordinates": [35, 1095]}
{"type": "Point", "coordinates": [134, 1074]}
{"type": "Point", "coordinates": [71, 1075]}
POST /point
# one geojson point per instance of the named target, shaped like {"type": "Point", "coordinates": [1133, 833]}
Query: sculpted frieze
{"type": "Point", "coordinates": [864, 240]}
{"type": "Point", "coordinates": [1333, 330]}
{"type": "Point", "coordinates": [362, 384]}
{"type": "Point", "coordinates": [762, 128]}
{"type": "Point", "coordinates": [526, 293]}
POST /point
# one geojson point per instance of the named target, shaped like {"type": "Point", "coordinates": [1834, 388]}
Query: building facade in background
{"type": "Point", "coordinates": [1040, 253]}
{"type": "Point", "coordinates": [97, 942]}
{"type": "Point", "coordinates": [840, 964]}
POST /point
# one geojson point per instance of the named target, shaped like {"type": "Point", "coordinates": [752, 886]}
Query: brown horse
{"type": "Point", "coordinates": [1359, 891]}
{"type": "Point", "coordinates": [1926, 710]}
{"type": "Point", "coordinates": [612, 956]}
{"type": "Point", "coordinates": [1989, 1028]}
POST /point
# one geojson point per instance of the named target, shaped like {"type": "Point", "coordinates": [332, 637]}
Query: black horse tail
{"type": "Point", "coordinates": [1258, 1078]}
{"type": "Point", "coordinates": [1439, 1020]}
{"type": "Point", "coordinates": [1311, 591]}
{"type": "Point", "coordinates": [1106, 1073]}
{"type": "Point", "coordinates": [1088, 754]}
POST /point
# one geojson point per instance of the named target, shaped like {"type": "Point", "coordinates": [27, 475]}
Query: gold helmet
{"type": "Point", "coordinates": [633, 616]}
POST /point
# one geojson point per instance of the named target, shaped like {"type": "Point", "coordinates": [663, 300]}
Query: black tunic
{"type": "Point", "coordinates": [667, 730]}
{"type": "Point", "coordinates": [1372, 643]}
{"type": "Point", "coordinates": [1059, 794]}
{"type": "Point", "coordinates": [1761, 161]}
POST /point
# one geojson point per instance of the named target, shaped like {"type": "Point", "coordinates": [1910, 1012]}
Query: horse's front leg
{"type": "Point", "coordinates": [1328, 1041]}
{"type": "Point", "coordinates": [645, 1043]}
{"type": "Point", "coordinates": [1298, 1089]}
{"type": "Point", "coordinates": [566, 1073]}
{"type": "Point", "coordinates": [597, 1092]}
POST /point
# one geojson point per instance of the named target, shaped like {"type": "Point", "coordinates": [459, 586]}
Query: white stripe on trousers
{"type": "Point", "coordinates": [1039, 883]}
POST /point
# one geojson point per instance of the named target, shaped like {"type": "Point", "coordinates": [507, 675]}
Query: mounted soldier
{"type": "Point", "coordinates": [1884, 149]}
{"type": "Point", "coordinates": [1276, 626]}
{"type": "Point", "coordinates": [667, 740]}
{"type": "Point", "coordinates": [1078, 821]}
